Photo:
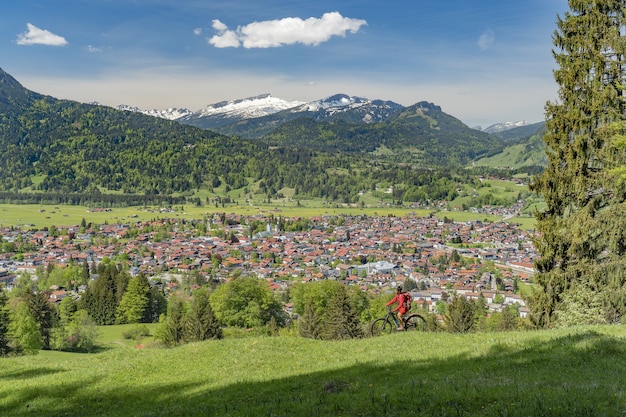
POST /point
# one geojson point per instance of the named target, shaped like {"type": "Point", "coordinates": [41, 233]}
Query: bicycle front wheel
{"type": "Point", "coordinates": [381, 326]}
{"type": "Point", "coordinates": [415, 322]}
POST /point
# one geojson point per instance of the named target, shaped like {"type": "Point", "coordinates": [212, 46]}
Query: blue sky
{"type": "Point", "coordinates": [482, 61]}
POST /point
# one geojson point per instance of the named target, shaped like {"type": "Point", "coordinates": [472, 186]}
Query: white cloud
{"type": "Point", "coordinates": [93, 49]}
{"type": "Point", "coordinates": [197, 31]}
{"type": "Point", "coordinates": [37, 36]}
{"type": "Point", "coordinates": [287, 31]}
{"type": "Point", "coordinates": [486, 39]}
{"type": "Point", "coordinates": [225, 38]}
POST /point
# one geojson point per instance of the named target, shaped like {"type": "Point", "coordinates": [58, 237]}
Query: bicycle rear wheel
{"type": "Point", "coordinates": [415, 322]}
{"type": "Point", "coordinates": [381, 326]}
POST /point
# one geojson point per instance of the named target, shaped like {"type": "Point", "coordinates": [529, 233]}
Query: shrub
{"type": "Point", "coordinates": [136, 332]}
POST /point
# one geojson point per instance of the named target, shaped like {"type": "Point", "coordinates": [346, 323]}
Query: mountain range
{"type": "Point", "coordinates": [255, 116]}
{"type": "Point", "coordinates": [331, 148]}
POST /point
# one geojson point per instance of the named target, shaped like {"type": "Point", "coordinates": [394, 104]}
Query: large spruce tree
{"type": "Point", "coordinates": [5, 340]}
{"type": "Point", "coordinates": [581, 235]}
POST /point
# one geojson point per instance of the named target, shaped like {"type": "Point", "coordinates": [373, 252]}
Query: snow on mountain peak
{"type": "Point", "coordinates": [169, 114]}
{"type": "Point", "coordinates": [257, 106]}
{"type": "Point", "coordinates": [501, 127]}
{"type": "Point", "coordinates": [337, 102]}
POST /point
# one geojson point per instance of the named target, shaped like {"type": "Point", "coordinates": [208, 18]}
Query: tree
{"type": "Point", "coordinates": [157, 305]}
{"type": "Point", "coordinates": [134, 302]}
{"type": "Point", "coordinates": [480, 315]}
{"type": "Point", "coordinates": [24, 330]}
{"type": "Point", "coordinates": [201, 323]}
{"type": "Point", "coordinates": [100, 299]}
{"type": "Point", "coordinates": [246, 302]}
{"type": "Point", "coordinates": [459, 317]}
{"type": "Point", "coordinates": [5, 340]}
{"type": "Point", "coordinates": [172, 331]}
{"type": "Point", "coordinates": [79, 335]}
{"type": "Point", "coordinates": [308, 324]}
{"type": "Point", "coordinates": [43, 313]}
{"type": "Point", "coordinates": [66, 310]}
{"type": "Point", "coordinates": [581, 235]}
{"type": "Point", "coordinates": [341, 321]}
{"type": "Point", "coordinates": [508, 319]}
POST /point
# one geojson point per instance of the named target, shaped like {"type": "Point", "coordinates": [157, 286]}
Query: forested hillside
{"type": "Point", "coordinates": [83, 151]}
{"type": "Point", "coordinates": [421, 134]}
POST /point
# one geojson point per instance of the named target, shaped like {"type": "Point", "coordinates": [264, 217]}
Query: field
{"type": "Point", "coordinates": [566, 372]}
{"type": "Point", "coordinates": [39, 215]}
{"type": "Point", "coordinates": [36, 215]}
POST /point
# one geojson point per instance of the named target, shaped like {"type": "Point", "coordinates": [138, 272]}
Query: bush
{"type": "Point", "coordinates": [136, 332]}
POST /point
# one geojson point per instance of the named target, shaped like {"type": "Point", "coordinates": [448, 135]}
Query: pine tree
{"type": "Point", "coordinates": [341, 320]}
{"type": "Point", "coordinates": [157, 305]}
{"type": "Point", "coordinates": [84, 276]}
{"type": "Point", "coordinates": [100, 299]}
{"type": "Point", "coordinates": [581, 235]}
{"type": "Point", "coordinates": [201, 323]}
{"type": "Point", "coordinates": [172, 330]}
{"type": "Point", "coordinates": [134, 302]}
{"type": "Point", "coordinates": [309, 322]}
{"type": "Point", "coordinates": [43, 313]}
{"type": "Point", "coordinates": [508, 319]}
{"type": "Point", "coordinates": [459, 317]}
{"type": "Point", "coordinates": [5, 347]}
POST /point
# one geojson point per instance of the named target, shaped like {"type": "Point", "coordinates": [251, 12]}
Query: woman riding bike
{"type": "Point", "coordinates": [404, 300]}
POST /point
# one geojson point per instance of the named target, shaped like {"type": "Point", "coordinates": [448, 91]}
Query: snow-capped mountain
{"type": "Point", "coordinates": [228, 112]}
{"type": "Point", "coordinates": [255, 116]}
{"type": "Point", "coordinates": [361, 109]}
{"type": "Point", "coordinates": [169, 114]}
{"type": "Point", "coordinates": [247, 108]}
{"type": "Point", "coordinates": [501, 127]}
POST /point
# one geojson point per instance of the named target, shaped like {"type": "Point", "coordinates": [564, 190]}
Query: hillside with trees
{"type": "Point", "coordinates": [421, 134]}
{"type": "Point", "coordinates": [67, 152]}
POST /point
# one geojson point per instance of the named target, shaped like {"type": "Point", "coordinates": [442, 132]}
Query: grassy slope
{"type": "Point", "coordinates": [572, 372]}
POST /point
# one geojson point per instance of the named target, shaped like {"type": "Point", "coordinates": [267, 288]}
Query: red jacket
{"type": "Point", "coordinates": [402, 299]}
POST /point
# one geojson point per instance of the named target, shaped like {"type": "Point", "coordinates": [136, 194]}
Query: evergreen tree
{"type": "Point", "coordinates": [581, 235]}
{"type": "Point", "coordinates": [43, 313]}
{"type": "Point", "coordinates": [84, 276]}
{"type": "Point", "coordinates": [134, 302]}
{"type": "Point", "coordinates": [172, 331]}
{"type": "Point", "coordinates": [201, 323]}
{"type": "Point", "coordinates": [480, 315]}
{"type": "Point", "coordinates": [341, 320]}
{"type": "Point", "coordinates": [308, 324]}
{"type": "Point", "coordinates": [157, 305]}
{"type": "Point", "coordinates": [5, 340]}
{"type": "Point", "coordinates": [100, 299]}
{"type": "Point", "coordinates": [24, 330]}
{"type": "Point", "coordinates": [508, 319]}
{"type": "Point", "coordinates": [459, 317]}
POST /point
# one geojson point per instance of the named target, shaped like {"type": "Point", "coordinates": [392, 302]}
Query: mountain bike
{"type": "Point", "coordinates": [389, 323]}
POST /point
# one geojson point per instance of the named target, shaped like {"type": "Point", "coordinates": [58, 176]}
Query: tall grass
{"type": "Point", "coordinates": [567, 372]}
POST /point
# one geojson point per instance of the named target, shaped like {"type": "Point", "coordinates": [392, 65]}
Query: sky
{"type": "Point", "coordinates": [482, 61]}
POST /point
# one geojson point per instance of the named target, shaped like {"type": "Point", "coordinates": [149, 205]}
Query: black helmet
{"type": "Point", "coordinates": [399, 288]}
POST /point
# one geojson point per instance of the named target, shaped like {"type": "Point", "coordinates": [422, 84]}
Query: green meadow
{"type": "Point", "coordinates": [565, 372]}
{"type": "Point", "coordinates": [43, 215]}
{"type": "Point", "coordinates": [39, 216]}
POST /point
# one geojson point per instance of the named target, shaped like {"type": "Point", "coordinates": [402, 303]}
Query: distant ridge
{"type": "Point", "coordinates": [501, 127]}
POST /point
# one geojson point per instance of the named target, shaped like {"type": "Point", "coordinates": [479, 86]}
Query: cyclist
{"type": "Point", "coordinates": [404, 305]}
